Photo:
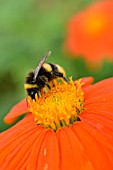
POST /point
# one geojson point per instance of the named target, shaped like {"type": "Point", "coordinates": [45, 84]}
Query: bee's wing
{"type": "Point", "coordinates": [40, 65]}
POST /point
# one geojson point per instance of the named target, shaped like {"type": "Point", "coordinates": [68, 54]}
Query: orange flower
{"type": "Point", "coordinates": [90, 32]}
{"type": "Point", "coordinates": [79, 135]}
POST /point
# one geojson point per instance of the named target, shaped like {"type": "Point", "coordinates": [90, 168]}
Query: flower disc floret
{"type": "Point", "coordinates": [59, 106]}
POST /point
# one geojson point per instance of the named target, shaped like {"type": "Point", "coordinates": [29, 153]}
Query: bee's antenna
{"type": "Point", "coordinates": [40, 64]}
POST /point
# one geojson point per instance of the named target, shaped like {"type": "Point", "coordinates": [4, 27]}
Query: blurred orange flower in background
{"type": "Point", "coordinates": [90, 33]}
{"type": "Point", "coordinates": [83, 144]}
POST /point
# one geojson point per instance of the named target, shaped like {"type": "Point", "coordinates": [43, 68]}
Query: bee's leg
{"type": "Point", "coordinates": [49, 87]}
{"type": "Point", "coordinates": [53, 83]}
{"type": "Point", "coordinates": [44, 81]}
{"type": "Point", "coordinates": [38, 94]}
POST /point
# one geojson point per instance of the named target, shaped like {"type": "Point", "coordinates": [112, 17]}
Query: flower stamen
{"type": "Point", "coordinates": [59, 106]}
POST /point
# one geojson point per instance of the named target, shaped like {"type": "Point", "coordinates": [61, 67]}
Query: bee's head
{"type": "Point", "coordinates": [61, 70]}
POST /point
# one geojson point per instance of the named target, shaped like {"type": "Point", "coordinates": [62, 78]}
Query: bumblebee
{"type": "Point", "coordinates": [42, 76]}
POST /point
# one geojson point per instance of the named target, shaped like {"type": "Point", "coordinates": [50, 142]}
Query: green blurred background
{"type": "Point", "coordinates": [28, 29]}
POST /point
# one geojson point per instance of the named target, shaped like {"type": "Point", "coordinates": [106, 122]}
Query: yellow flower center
{"type": "Point", "coordinates": [59, 107]}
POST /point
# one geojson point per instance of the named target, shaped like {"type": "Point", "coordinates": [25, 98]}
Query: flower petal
{"type": "Point", "coordinates": [101, 88]}
{"type": "Point", "coordinates": [72, 154]}
{"type": "Point", "coordinates": [90, 138]}
{"type": "Point", "coordinates": [27, 145]}
{"type": "Point", "coordinates": [88, 32]}
{"type": "Point", "coordinates": [49, 153]}
{"type": "Point", "coordinates": [87, 80]}
{"type": "Point", "coordinates": [17, 143]}
{"type": "Point", "coordinates": [16, 111]}
{"type": "Point", "coordinates": [101, 128]}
